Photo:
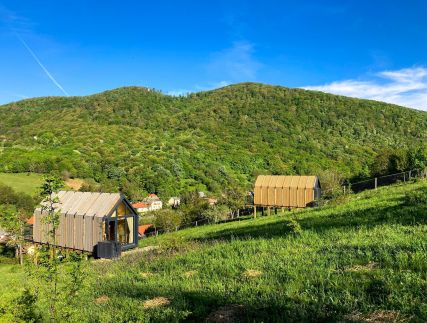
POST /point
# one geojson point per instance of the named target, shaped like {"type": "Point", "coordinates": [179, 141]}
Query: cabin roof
{"type": "Point", "coordinates": [287, 181]}
{"type": "Point", "coordinates": [88, 204]}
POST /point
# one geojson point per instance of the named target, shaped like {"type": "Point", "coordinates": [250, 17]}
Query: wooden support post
{"type": "Point", "coordinates": [262, 212]}
{"type": "Point", "coordinates": [254, 212]}
{"type": "Point", "coordinates": [275, 210]}
{"type": "Point", "coordinates": [268, 211]}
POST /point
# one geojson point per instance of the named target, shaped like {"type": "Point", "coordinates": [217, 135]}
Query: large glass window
{"type": "Point", "coordinates": [111, 230]}
{"type": "Point", "coordinates": [131, 229]}
{"type": "Point", "coordinates": [125, 230]}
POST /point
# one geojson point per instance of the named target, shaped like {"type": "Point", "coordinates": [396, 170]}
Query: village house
{"type": "Point", "coordinates": [145, 230]}
{"type": "Point", "coordinates": [174, 202]}
{"type": "Point", "coordinates": [141, 207]}
{"type": "Point", "coordinates": [150, 203]}
{"type": "Point", "coordinates": [153, 202]}
{"type": "Point", "coordinates": [3, 236]}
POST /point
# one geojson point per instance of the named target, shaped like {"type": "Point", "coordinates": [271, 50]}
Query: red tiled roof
{"type": "Point", "coordinates": [31, 220]}
{"type": "Point", "coordinates": [152, 195]}
{"type": "Point", "coordinates": [143, 228]}
{"type": "Point", "coordinates": [139, 205]}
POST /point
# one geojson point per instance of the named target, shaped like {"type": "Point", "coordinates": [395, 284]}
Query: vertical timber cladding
{"type": "Point", "coordinates": [82, 216]}
{"type": "Point", "coordinates": [285, 191]}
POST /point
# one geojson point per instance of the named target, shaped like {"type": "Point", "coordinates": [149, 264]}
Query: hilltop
{"type": "Point", "coordinates": [361, 259]}
{"type": "Point", "coordinates": [140, 140]}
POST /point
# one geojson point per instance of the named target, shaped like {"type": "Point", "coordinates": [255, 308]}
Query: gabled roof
{"type": "Point", "coordinates": [139, 205]}
{"type": "Point", "coordinates": [142, 228]}
{"type": "Point", "coordinates": [287, 181]}
{"type": "Point", "coordinates": [85, 203]}
{"type": "Point", "coordinates": [30, 221]}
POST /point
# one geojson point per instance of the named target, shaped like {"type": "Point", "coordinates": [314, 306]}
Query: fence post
{"type": "Point", "coordinates": [196, 223]}
{"type": "Point", "coordinates": [376, 182]}
{"type": "Point", "coordinates": [404, 177]}
{"type": "Point", "coordinates": [410, 174]}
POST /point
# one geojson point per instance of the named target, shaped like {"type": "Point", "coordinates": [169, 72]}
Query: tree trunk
{"type": "Point", "coordinates": [21, 255]}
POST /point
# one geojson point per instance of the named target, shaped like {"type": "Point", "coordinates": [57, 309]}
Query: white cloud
{"type": "Point", "coordinates": [406, 87]}
{"type": "Point", "coordinates": [235, 64]}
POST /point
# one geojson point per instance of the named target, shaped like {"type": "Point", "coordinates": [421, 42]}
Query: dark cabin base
{"type": "Point", "coordinates": [107, 250]}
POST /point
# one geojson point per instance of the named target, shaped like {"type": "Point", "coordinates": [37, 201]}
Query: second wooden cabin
{"type": "Point", "coordinates": [286, 191]}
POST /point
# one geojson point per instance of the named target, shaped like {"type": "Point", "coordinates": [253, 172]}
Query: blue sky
{"type": "Point", "coordinates": [373, 49]}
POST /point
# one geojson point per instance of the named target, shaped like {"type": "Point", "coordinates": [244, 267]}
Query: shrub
{"type": "Point", "coordinates": [167, 220]}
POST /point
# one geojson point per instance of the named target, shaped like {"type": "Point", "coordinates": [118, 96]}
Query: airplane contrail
{"type": "Point", "coordinates": [41, 65]}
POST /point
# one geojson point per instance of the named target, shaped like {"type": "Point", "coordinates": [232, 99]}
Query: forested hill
{"type": "Point", "coordinates": [140, 140]}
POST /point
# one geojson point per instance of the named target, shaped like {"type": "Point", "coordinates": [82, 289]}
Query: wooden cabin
{"type": "Point", "coordinates": [286, 191]}
{"type": "Point", "coordinates": [87, 219]}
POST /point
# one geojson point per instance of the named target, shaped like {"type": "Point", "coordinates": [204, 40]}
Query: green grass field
{"type": "Point", "coordinates": [363, 259]}
{"type": "Point", "coordinates": [28, 183]}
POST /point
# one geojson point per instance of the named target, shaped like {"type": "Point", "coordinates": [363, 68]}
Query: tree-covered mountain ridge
{"type": "Point", "coordinates": [140, 140]}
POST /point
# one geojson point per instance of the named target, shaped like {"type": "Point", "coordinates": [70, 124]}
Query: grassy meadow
{"type": "Point", "coordinates": [28, 183]}
{"type": "Point", "coordinates": [363, 258]}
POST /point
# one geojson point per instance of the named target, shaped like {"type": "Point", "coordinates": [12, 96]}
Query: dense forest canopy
{"type": "Point", "coordinates": [140, 140]}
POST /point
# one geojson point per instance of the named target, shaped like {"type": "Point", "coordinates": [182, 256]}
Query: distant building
{"type": "Point", "coordinates": [144, 230]}
{"type": "Point", "coordinates": [174, 202]}
{"type": "Point", "coordinates": [201, 194]}
{"type": "Point", "coordinates": [154, 203]}
{"type": "Point", "coordinates": [4, 236]}
{"type": "Point", "coordinates": [212, 201]}
{"type": "Point", "coordinates": [141, 207]}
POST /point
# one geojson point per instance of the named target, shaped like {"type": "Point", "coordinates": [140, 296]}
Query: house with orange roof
{"type": "Point", "coordinates": [141, 207]}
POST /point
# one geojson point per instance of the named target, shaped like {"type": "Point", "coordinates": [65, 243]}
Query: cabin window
{"type": "Point", "coordinates": [125, 230]}
{"type": "Point", "coordinates": [121, 209]}
{"type": "Point", "coordinates": [111, 233]}
{"type": "Point", "coordinates": [131, 229]}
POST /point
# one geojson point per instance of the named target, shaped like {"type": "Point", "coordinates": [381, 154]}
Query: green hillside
{"type": "Point", "coordinates": [362, 260]}
{"type": "Point", "coordinates": [140, 140]}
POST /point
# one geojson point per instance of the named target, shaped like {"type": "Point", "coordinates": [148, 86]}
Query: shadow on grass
{"type": "Point", "coordinates": [201, 305]}
{"type": "Point", "coordinates": [344, 219]}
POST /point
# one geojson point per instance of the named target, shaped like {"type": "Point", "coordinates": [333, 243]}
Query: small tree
{"type": "Point", "coordinates": [167, 219]}
{"type": "Point", "coordinates": [216, 213]}
{"type": "Point", "coordinates": [50, 261]}
{"type": "Point", "coordinates": [234, 199]}
{"type": "Point", "coordinates": [13, 220]}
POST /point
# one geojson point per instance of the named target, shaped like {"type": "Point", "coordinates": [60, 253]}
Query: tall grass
{"type": "Point", "coordinates": [363, 258]}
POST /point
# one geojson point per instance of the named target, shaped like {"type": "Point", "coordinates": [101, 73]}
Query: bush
{"type": "Point", "coordinates": [216, 214]}
{"type": "Point", "coordinates": [167, 220]}
{"type": "Point", "coordinates": [332, 182]}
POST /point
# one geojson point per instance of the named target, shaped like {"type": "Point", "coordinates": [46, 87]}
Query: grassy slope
{"type": "Point", "coordinates": [30, 183]}
{"type": "Point", "coordinates": [22, 182]}
{"type": "Point", "coordinates": [366, 255]}
{"type": "Point", "coordinates": [359, 257]}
